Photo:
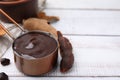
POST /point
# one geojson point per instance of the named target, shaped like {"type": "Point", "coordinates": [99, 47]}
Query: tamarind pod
{"type": "Point", "coordinates": [50, 19]}
{"type": "Point", "coordinates": [66, 63]}
{"type": "Point", "coordinates": [66, 53]}
{"type": "Point", "coordinates": [39, 24]}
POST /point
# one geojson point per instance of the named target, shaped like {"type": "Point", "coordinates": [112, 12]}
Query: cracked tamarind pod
{"type": "Point", "coordinates": [39, 24]}
{"type": "Point", "coordinates": [66, 53]}
{"type": "Point", "coordinates": [50, 19]}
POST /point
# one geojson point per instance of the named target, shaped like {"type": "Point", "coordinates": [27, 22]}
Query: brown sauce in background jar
{"type": "Point", "coordinates": [19, 9]}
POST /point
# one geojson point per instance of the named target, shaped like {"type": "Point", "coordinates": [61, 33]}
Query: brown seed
{"type": "Point", "coordinates": [5, 61]}
{"type": "Point", "coordinates": [3, 76]}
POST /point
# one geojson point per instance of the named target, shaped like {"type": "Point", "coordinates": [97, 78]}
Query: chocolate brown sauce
{"type": "Point", "coordinates": [35, 44]}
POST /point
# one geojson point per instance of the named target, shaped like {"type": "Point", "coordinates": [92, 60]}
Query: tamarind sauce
{"type": "Point", "coordinates": [34, 44]}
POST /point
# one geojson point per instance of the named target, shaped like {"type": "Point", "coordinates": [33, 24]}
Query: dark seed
{"type": "Point", "coordinates": [5, 61]}
{"type": "Point", "coordinates": [48, 22]}
{"type": "Point", "coordinates": [3, 76]}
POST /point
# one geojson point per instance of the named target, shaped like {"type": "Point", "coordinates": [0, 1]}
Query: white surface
{"type": "Point", "coordinates": [60, 78]}
{"type": "Point", "coordinates": [84, 4]}
{"type": "Point", "coordinates": [87, 22]}
{"type": "Point", "coordinates": [93, 27]}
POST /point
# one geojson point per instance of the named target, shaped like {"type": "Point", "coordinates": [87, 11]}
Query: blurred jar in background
{"type": "Point", "coordinates": [20, 9]}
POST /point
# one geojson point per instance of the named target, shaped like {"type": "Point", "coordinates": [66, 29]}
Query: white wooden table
{"type": "Point", "coordinates": [93, 27]}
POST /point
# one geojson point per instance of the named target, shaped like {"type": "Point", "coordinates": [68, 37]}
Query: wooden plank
{"type": "Point", "coordinates": [60, 78]}
{"type": "Point", "coordinates": [83, 4]}
{"type": "Point", "coordinates": [87, 22]}
{"type": "Point", "coordinates": [94, 56]}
